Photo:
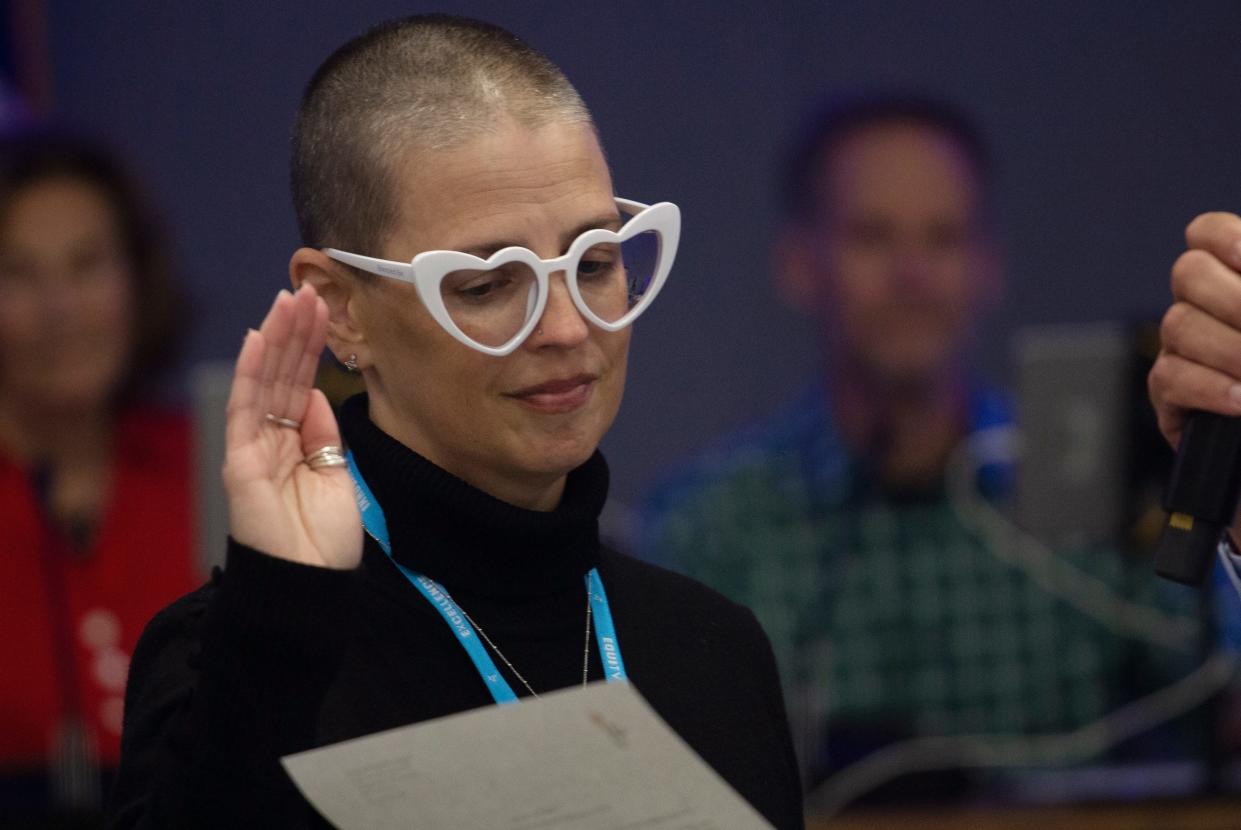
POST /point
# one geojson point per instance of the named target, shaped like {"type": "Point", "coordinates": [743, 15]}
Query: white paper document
{"type": "Point", "coordinates": [597, 758]}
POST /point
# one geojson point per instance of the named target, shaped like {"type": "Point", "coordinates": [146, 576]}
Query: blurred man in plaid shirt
{"type": "Point", "coordinates": [831, 519]}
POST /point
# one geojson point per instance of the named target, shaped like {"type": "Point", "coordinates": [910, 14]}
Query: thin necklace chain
{"type": "Point", "coordinates": [513, 669]}
{"type": "Point", "coordinates": [500, 654]}
{"type": "Point", "coordinates": [586, 647]}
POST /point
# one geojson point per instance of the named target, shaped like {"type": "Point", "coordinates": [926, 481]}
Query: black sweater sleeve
{"type": "Point", "coordinates": [223, 682]}
{"type": "Point", "coordinates": [785, 775]}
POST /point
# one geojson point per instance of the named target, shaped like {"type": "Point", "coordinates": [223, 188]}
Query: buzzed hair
{"type": "Point", "coordinates": [419, 83]}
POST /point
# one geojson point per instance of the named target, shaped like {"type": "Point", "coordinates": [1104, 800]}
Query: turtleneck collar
{"type": "Point", "coordinates": [468, 540]}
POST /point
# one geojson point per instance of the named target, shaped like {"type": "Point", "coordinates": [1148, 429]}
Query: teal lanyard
{"type": "Point", "coordinates": [605, 632]}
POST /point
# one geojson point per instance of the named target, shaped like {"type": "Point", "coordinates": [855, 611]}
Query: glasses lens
{"type": "Point", "coordinates": [612, 278]}
{"type": "Point", "coordinates": [490, 306]}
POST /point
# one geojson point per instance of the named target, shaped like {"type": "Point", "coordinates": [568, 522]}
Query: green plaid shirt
{"type": "Point", "coordinates": [889, 614]}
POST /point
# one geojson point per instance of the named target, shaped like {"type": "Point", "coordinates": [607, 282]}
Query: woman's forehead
{"type": "Point", "coordinates": [527, 185]}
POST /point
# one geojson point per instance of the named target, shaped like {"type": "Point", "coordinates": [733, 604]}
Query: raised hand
{"type": "Point", "coordinates": [1199, 364]}
{"type": "Point", "coordinates": [277, 504]}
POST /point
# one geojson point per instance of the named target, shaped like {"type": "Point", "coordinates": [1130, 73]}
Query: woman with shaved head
{"type": "Point", "coordinates": [465, 252]}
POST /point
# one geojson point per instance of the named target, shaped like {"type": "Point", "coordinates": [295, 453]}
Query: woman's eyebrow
{"type": "Point", "coordinates": [607, 221]}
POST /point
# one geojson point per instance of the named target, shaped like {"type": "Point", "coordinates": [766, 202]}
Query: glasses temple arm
{"type": "Point", "coordinates": [382, 267]}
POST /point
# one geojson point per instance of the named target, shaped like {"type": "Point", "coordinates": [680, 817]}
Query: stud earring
{"type": "Point", "coordinates": [352, 363]}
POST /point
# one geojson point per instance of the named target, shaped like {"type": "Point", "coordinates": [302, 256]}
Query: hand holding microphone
{"type": "Point", "coordinates": [1195, 387]}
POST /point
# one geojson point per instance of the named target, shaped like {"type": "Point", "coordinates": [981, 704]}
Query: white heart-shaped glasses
{"type": "Point", "coordinates": [493, 304]}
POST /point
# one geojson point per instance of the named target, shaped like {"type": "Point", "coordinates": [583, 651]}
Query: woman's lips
{"type": "Point", "coordinates": [557, 396]}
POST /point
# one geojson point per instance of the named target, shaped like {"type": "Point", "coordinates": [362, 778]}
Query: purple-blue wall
{"type": "Point", "coordinates": [1113, 123]}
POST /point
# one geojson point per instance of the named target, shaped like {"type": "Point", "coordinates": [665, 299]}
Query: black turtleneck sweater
{"type": "Point", "coordinates": [274, 657]}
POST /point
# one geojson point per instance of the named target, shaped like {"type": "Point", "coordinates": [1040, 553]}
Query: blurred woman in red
{"type": "Point", "coordinates": [95, 483]}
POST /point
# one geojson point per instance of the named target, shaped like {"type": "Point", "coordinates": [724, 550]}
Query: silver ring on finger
{"type": "Point", "coordinates": [329, 456]}
{"type": "Point", "coordinates": [282, 422]}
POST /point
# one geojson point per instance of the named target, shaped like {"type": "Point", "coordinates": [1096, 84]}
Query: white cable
{"type": "Point", "coordinates": [981, 751]}
{"type": "Point", "coordinates": [1014, 546]}
{"type": "Point", "coordinates": [1017, 547]}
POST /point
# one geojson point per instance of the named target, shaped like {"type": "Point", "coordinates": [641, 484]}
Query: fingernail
{"type": "Point", "coordinates": [283, 292]}
{"type": "Point", "coordinates": [1234, 392]}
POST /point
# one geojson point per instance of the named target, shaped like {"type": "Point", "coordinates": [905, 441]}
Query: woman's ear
{"type": "Point", "coordinates": [338, 289]}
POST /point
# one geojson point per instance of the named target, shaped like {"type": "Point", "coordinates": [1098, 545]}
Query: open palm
{"type": "Point", "coordinates": [277, 504]}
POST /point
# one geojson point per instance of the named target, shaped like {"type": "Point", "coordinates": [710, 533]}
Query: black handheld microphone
{"type": "Point", "coordinates": [1201, 498]}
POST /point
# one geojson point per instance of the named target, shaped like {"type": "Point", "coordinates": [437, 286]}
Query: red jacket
{"type": "Point", "coordinates": [69, 619]}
